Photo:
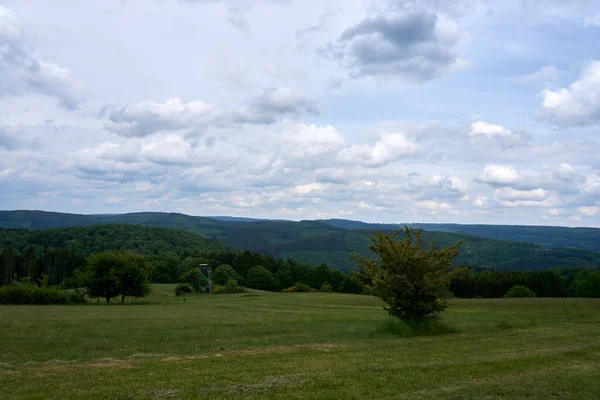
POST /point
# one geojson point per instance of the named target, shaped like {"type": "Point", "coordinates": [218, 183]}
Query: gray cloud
{"type": "Point", "coordinates": [148, 117]}
{"type": "Point", "coordinates": [415, 46]}
{"type": "Point", "coordinates": [283, 101]}
{"type": "Point", "coordinates": [7, 140]}
{"type": "Point", "coordinates": [21, 73]}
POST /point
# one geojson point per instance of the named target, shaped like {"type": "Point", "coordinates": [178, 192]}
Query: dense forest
{"type": "Point", "coordinates": [546, 236]}
{"type": "Point", "coordinates": [319, 242]}
{"type": "Point", "coordinates": [52, 256]}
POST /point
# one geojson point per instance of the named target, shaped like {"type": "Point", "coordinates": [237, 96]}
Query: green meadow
{"type": "Point", "coordinates": [263, 345]}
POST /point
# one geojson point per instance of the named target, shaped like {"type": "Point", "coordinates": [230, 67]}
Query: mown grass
{"type": "Point", "coordinates": [298, 346]}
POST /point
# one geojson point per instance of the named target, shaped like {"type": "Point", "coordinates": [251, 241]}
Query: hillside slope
{"type": "Point", "coordinates": [547, 236]}
{"type": "Point", "coordinates": [319, 242]}
{"type": "Point", "coordinates": [145, 240]}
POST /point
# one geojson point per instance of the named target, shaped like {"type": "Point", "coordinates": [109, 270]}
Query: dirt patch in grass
{"type": "Point", "coordinates": [325, 347]}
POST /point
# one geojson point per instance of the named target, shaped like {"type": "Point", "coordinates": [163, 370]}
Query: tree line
{"type": "Point", "coordinates": [557, 282]}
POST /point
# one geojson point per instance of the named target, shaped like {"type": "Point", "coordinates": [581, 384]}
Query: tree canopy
{"type": "Point", "coordinates": [411, 279]}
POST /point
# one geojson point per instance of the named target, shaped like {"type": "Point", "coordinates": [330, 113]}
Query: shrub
{"type": "Point", "coordinates": [231, 286]}
{"type": "Point", "coordinates": [182, 288]}
{"type": "Point", "coordinates": [326, 287]}
{"type": "Point", "coordinates": [301, 287]}
{"type": "Point", "coordinates": [519, 291]}
{"type": "Point", "coordinates": [194, 278]}
{"type": "Point", "coordinates": [411, 279]}
{"type": "Point", "coordinates": [223, 273]}
{"type": "Point", "coordinates": [31, 294]}
{"type": "Point", "coordinates": [260, 278]}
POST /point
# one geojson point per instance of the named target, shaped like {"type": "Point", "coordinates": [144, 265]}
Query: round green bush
{"type": "Point", "coordinates": [520, 291]}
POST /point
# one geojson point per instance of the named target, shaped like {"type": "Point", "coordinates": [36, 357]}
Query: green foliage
{"type": "Point", "coordinates": [140, 239]}
{"type": "Point", "coordinates": [195, 278]}
{"type": "Point", "coordinates": [110, 274]}
{"type": "Point", "coordinates": [260, 278]}
{"type": "Point", "coordinates": [586, 284]}
{"type": "Point", "coordinates": [520, 291]}
{"type": "Point", "coordinates": [314, 242]}
{"type": "Point", "coordinates": [223, 273]}
{"type": "Point", "coordinates": [182, 288]}
{"type": "Point", "coordinates": [231, 286]}
{"type": "Point", "coordinates": [411, 280]}
{"type": "Point", "coordinates": [320, 275]}
{"type": "Point", "coordinates": [326, 287]}
{"type": "Point", "coordinates": [17, 293]}
{"type": "Point", "coordinates": [483, 283]}
{"type": "Point", "coordinates": [284, 278]}
{"type": "Point", "coordinates": [301, 287]}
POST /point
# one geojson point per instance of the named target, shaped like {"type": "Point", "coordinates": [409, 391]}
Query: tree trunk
{"type": "Point", "coordinates": [107, 300]}
{"type": "Point", "coordinates": [122, 299]}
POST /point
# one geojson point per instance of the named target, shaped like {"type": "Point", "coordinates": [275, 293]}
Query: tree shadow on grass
{"type": "Point", "coordinates": [401, 328]}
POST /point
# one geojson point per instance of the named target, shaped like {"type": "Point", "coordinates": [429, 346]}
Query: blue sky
{"type": "Point", "coordinates": [468, 111]}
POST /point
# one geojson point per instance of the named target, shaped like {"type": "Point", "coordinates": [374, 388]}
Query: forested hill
{"type": "Point", "coordinates": [318, 242]}
{"type": "Point", "coordinates": [144, 240]}
{"type": "Point", "coordinates": [547, 236]}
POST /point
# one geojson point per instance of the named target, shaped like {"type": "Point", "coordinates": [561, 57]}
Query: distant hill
{"type": "Point", "coordinates": [319, 241]}
{"type": "Point", "coordinates": [547, 236]}
{"type": "Point", "coordinates": [145, 240]}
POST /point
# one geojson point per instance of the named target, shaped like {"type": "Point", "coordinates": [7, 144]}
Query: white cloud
{"type": "Point", "coordinates": [501, 135]}
{"type": "Point", "coordinates": [592, 21]}
{"type": "Point", "coordinates": [507, 193]}
{"type": "Point", "coordinates": [577, 105]}
{"type": "Point", "coordinates": [588, 211]}
{"type": "Point", "coordinates": [547, 74]}
{"type": "Point", "coordinates": [432, 206]}
{"type": "Point", "coordinates": [494, 174]}
{"type": "Point", "coordinates": [21, 73]}
{"type": "Point", "coordinates": [148, 117]}
{"type": "Point", "coordinates": [389, 148]}
{"type": "Point", "coordinates": [481, 202]}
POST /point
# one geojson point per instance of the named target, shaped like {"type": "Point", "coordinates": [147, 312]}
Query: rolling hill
{"type": "Point", "coordinates": [547, 236]}
{"type": "Point", "coordinates": [317, 241]}
{"type": "Point", "coordinates": [145, 240]}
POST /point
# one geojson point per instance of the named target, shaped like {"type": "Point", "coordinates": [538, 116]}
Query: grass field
{"type": "Point", "coordinates": [298, 346]}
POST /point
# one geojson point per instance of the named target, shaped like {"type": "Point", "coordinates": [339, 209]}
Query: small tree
{"type": "Point", "coordinates": [260, 278]}
{"type": "Point", "coordinates": [520, 291]}
{"type": "Point", "coordinates": [195, 278]}
{"type": "Point", "coordinates": [110, 274]}
{"type": "Point", "coordinates": [326, 287]}
{"type": "Point", "coordinates": [412, 280]}
{"type": "Point", "coordinates": [223, 273]}
{"type": "Point", "coordinates": [284, 277]}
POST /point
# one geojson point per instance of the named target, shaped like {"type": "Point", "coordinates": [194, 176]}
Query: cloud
{"type": "Point", "coordinates": [481, 202]}
{"type": "Point", "coordinates": [148, 117]}
{"type": "Point", "coordinates": [23, 74]}
{"type": "Point", "coordinates": [390, 147]}
{"type": "Point", "coordinates": [416, 46]}
{"type": "Point", "coordinates": [577, 105]}
{"type": "Point", "coordinates": [510, 194]}
{"type": "Point", "coordinates": [588, 211]}
{"type": "Point", "coordinates": [502, 136]}
{"type": "Point", "coordinates": [7, 139]}
{"type": "Point", "coordinates": [547, 74]}
{"type": "Point", "coordinates": [432, 207]}
{"type": "Point", "coordinates": [592, 21]}
{"type": "Point", "coordinates": [283, 101]}
{"type": "Point", "coordinates": [494, 174]}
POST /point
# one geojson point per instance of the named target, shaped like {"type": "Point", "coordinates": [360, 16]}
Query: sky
{"type": "Point", "coordinates": [469, 111]}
